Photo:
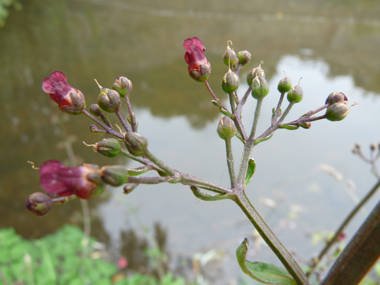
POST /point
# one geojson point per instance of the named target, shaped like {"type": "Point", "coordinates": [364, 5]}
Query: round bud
{"type": "Point", "coordinates": [108, 147]}
{"type": "Point", "coordinates": [39, 203]}
{"type": "Point", "coordinates": [295, 94]}
{"type": "Point", "coordinates": [203, 74]}
{"type": "Point", "coordinates": [257, 71]}
{"type": "Point", "coordinates": [226, 128]}
{"type": "Point", "coordinates": [122, 85]}
{"type": "Point", "coordinates": [114, 175]}
{"type": "Point", "coordinates": [260, 87]}
{"type": "Point", "coordinates": [95, 110]}
{"type": "Point", "coordinates": [109, 100]}
{"type": "Point", "coordinates": [230, 82]}
{"type": "Point", "coordinates": [229, 57]}
{"type": "Point", "coordinates": [135, 143]}
{"type": "Point", "coordinates": [336, 97]}
{"type": "Point", "coordinates": [337, 112]}
{"type": "Point", "coordinates": [284, 85]}
{"type": "Point", "coordinates": [244, 57]}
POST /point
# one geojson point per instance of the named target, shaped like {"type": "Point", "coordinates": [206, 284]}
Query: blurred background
{"type": "Point", "coordinates": [306, 181]}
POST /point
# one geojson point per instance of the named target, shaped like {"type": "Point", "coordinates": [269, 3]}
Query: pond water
{"type": "Point", "coordinates": [333, 46]}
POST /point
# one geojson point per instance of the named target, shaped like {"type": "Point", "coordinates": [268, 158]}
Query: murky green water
{"type": "Point", "coordinates": [332, 45]}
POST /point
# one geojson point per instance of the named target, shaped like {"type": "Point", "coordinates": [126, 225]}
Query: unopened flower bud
{"type": "Point", "coordinates": [373, 146]}
{"type": "Point", "coordinates": [244, 57]}
{"type": "Point", "coordinates": [136, 143]}
{"type": "Point", "coordinates": [122, 85]}
{"type": "Point", "coordinates": [96, 130]}
{"type": "Point", "coordinates": [306, 125]}
{"type": "Point", "coordinates": [39, 203]}
{"type": "Point", "coordinates": [109, 100]}
{"type": "Point", "coordinates": [128, 188]}
{"type": "Point", "coordinates": [284, 85]}
{"type": "Point", "coordinates": [260, 87]}
{"type": "Point", "coordinates": [226, 128]}
{"type": "Point", "coordinates": [336, 97]}
{"type": "Point", "coordinates": [295, 94]}
{"type": "Point", "coordinates": [95, 110]}
{"type": "Point", "coordinates": [257, 71]}
{"type": "Point", "coordinates": [337, 112]}
{"type": "Point", "coordinates": [229, 57]}
{"type": "Point", "coordinates": [114, 175]}
{"type": "Point", "coordinates": [109, 147]}
{"type": "Point", "coordinates": [230, 82]}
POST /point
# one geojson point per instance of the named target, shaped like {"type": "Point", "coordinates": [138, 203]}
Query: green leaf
{"type": "Point", "coordinates": [250, 171]}
{"type": "Point", "coordinates": [288, 127]}
{"type": "Point", "coordinates": [262, 272]}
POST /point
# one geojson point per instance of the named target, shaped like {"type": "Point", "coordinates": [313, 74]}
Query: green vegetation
{"type": "Point", "coordinates": [63, 258]}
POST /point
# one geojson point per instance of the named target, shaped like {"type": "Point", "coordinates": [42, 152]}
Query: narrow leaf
{"type": "Point", "coordinates": [250, 171]}
{"type": "Point", "coordinates": [262, 272]}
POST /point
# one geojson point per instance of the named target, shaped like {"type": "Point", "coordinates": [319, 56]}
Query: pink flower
{"type": "Point", "coordinates": [69, 99]}
{"type": "Point", "coordinates": [199, 67]}
{"type": "Point", "coordinates": [60, 180]}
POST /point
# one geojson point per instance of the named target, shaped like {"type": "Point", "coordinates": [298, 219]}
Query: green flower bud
{"type": "Point", "coordinates": [135, 143]}
{"type": "Point", "coordinates": [260, 87]}
{"type": "Point", "coordinates": [95, 110]}
{"type": "Point", "coordinates": [257, 71]}
{"type": "Point", "coordinates": [229, 57]}
{"type": "Point", "coordinates": [336, 97]}
{"type": "Point", "coordinates": [96, 130]}
{"type": "Point", "coordinates": [114, 175]}
{"type": "Point", "coordinates": [230, 82]}
{"type": "Point", "coordinates": [203, 74]}
{"type": "Point", "coordinates": [39, 203]}
{"type": "Point", "coordinates": [244, 57]}
{"type": "Point", "coordinates": [108, 147]}
{"type": "Point", "coordinates": [284, 85]}
{"type": "Point", "coordinates": [306, 125]}
{"type": "Point", "coordinates": [337, 111]}
{"type": "Point", "coordinates": [109, 100]}
{"type": "Point", "coordinates": [226, 128]}
{"type": "Point", "coordinates": [122, 85]}
{"type": "Point", "coordinates": [295, 94]}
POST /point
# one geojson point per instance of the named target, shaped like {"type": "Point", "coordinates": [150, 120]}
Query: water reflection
{"type": "Point", "coordinates": [333, 45]}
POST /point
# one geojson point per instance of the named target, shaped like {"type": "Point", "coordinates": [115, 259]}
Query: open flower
{"type": "Point", "coordinates": [199, 67]}
{"type": "Point", "coordinates": [60, 180]}
{"type": "Point", "coordinates": [69, 99]}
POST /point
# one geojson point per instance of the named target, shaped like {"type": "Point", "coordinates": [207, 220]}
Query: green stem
{"type": "Point", "coordinates": [230, 162]}
{"type": "Point", "coordinates": [103, 125]}
{"type": "Point", "coordinates": [249, 144]}
{"type": "Point", "coordinates": [269, 237]}
{"type": "Point", "coordinates": [359, 255]}
{"type": "Point", "coordinates": [143, 161]}
{"type": "Point", "coordinates": [341, 228]}
{"type": "Point", "coordinates": [161, 164]}
{"type": "Point", "coordinates": [123, 122]}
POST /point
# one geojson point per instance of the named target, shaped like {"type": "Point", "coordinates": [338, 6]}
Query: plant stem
{"type": "Point", "coordinates": [104, 126]}
{"type": "Point", "coordinates": [359, 255]}
{"type": "Point", "coordinates": [269, 237]}
{"type": "Point", "coordinates": [230, 162]}
{"type": "Point", "coordinates": [211, 92]}
{"type": "Point", "coordinates": [161, 164]}
{"type": "Point", "coordinates": [341, 228]}
{"type": "Point", "coordinates": [249, 144]}
{"type": "Point", "coordinates": [123, 122]}
{"type": "Point", "coordinates": [277, 111]}
{"type": "Point", "coordinates": [133, 119]}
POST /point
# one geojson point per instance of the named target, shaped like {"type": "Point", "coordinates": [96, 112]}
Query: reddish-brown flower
{"type": "Point", "coordinates": [199, 67]}
{"type": "Point", "coordinates": [69, 99]}
{"type": "Point", "coordinates": [60, 180]}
